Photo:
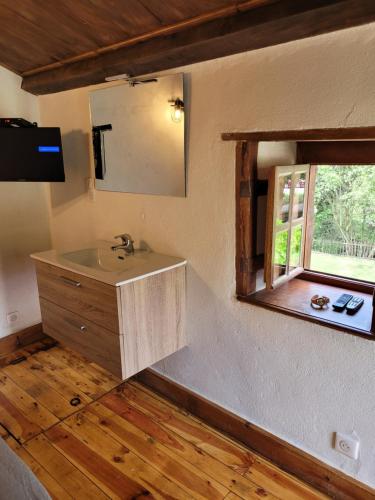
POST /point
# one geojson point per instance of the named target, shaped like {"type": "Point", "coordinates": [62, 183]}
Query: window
{"type": "Point", "coordinates": [321, 218]}
{"type": "Point", "coordinates": [287, 215]}
{"type": "Point", "coordinates": [313, 221]}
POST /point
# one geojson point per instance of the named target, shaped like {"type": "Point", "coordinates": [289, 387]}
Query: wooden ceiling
{"type": "Point", "coordinates": [70, 43]}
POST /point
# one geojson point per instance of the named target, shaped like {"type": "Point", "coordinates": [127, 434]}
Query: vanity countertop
{"type": "Point", "coordinates": [101, 261]}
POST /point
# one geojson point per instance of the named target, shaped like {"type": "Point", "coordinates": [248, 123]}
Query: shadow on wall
{"type": "Point", "coordinates": [76, 152]}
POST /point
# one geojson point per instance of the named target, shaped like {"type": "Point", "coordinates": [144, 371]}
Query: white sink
{"type": "Point", "coordinates": [116, 268]}
{"type": "Point", "coordinates": [105, 259]}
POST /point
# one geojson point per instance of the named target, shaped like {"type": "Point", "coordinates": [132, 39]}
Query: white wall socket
{"type": "Point", "coordinates": [12, 317]}
{"type": "Point", "coordinates": [347, 445]}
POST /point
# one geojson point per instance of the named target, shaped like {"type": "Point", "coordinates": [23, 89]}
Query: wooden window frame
{"type": "Point", "coordinates": [272, 230]}
{"type": "Point", "coordinates": [314, 146]}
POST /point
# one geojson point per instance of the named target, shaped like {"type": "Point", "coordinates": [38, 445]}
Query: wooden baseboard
{"type": "Point", "coordinates": [289, 458]}
{"type": "Point", "coordinates": [19, 339]}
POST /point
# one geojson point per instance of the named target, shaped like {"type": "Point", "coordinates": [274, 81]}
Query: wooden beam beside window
{"type": "Point", "coordinates": [246, 176]}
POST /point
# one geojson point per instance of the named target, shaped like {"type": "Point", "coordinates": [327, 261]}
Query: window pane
{"type": "Point", "coordinates": [344, 223]}
{"type": "Point", "coordinates": [285, 183]}
{"type": "Point", "coordinates": [295, 248]}
{"type": "Point", "coordinates": [280, 254]}
{"type": "Point", "coordinates": [299, 195]}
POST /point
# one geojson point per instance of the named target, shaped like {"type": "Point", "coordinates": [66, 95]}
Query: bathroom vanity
{"type": "Point", "coordinates": [124, 312]}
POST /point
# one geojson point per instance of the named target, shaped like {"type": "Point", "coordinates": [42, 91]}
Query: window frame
{"type": "Point", "coordinates": [272, 229]}
{"type": "Point", "coordinates": [314, 146]}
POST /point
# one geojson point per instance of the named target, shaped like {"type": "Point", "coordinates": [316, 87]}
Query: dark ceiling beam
{"type": "Point", "coordinates": [264, 26]}
{"type": "Point", "coordinates": [317, 134]}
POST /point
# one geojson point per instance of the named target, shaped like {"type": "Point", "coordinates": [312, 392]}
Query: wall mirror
{"type": "Point", "coordinates": [138, 136]}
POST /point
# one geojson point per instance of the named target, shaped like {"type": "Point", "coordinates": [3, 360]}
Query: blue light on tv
{"type": "Point", "coordinates": [49, 149]}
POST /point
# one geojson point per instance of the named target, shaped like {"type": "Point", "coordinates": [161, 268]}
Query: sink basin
{"type": "Point", "coordinates": [115, 268]}
{"type": "Point", "coordinates": [105, 259]}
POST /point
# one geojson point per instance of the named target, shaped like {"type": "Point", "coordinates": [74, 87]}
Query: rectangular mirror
{"type": "Point", "coordinates": [138, 136]}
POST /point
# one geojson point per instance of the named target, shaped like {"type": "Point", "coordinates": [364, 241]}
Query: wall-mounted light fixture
{"type": "Point", "coordinates": [177, 109]}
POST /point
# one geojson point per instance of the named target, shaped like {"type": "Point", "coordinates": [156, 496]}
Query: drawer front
{"type": "Point", "coordinates": [92, 341]}
{"type": "Point", "coordinates": [89, 298]}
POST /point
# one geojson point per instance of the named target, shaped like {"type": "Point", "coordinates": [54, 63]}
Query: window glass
{"type": "Point", "coordinates": [299, 195]}
{"type": "Point", "coordinates": [295, 259]}
{"type": "Point", "coordinates": [280, 254]}
{"type": "Point", "coordinates": [284, 187]}
{"type": "Point", "coordinates": [344, 221]}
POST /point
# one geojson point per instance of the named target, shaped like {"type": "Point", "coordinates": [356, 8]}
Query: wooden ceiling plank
{"type": "Point", "coordinates": [162, 31]}
{"type": "Point", "coordinates": [30, 39]}
{"type": "Point", "coordinates": [69, 29]}
{"type": "Point", "coordinates": [179, 10]}
{"type": "Point", "coordinates": [269, 25]}
{"type": "Point", "coordinates": [13, 57]}
{"type": "Point", "coordinates": [113, 20]}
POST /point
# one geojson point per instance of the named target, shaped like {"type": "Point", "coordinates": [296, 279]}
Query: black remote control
{"type": "Point", "coordinates": [354, 305]}
{"type": "Point", "coordinates": [341, 302]}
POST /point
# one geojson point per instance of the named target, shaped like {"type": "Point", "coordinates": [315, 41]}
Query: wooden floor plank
{"type": "Point", "coordinates": [110, 464]}
{"type": "Point", "coordinates": [92, 372]}
{"type": "Point", "coordinates": [219, 447]}
{"type": "Point", "coordinates": [36, 413]}
{"type": "Point", "coordinates": [95, 466]}
{"type": "Point", "coordinates": [3, 432]}
{"type": "Point", "coordinates": [177, 469]}
{"type": "Point", "coordinates": [62, 470]}
{"type": "Point", "coordinates": [20, 414]}
{"type": "Point", "coordinates": [57, 381]}
{"type": "Point", "coordinates": [9, 439]}
{"type": "Point", "coordinates": [179, 447]}
{"type": "Point", "coordinates": [78, 380]}
{"type": "Point", "coordinates": [39, 390]}
{"type": "Point", "coordinates": [52, 486]}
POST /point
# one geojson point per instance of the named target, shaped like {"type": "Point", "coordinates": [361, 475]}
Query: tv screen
{"type": "Point", "coordinates": [31, 154]}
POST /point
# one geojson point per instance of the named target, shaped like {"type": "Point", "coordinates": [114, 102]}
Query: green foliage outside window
{"type": "Point", "coordinates": [345, 210]}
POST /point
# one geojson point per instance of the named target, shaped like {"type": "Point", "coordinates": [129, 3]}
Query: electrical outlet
{"type": "Point", "coordinates": [13, 317]}
{"type": "Point", "coordinates": [347, 445]}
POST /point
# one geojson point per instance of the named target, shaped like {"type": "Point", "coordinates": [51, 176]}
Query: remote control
{"type": "Point", "coordinates": [341, 302]}
{"type": "Point", "coordinates": [354, 305]}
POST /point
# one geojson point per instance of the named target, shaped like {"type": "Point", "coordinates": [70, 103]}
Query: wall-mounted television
{"type": "Point", "coordinates": [31, 154]}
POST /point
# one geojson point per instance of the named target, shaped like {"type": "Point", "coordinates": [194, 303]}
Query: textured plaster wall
{"type": "Point", "coordinates": [24, 226]}
{"type": "Point", "coordinates": [297, 380]}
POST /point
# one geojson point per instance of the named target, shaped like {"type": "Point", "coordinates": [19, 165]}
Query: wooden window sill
{"type": "Point", "coordinates": [293, 299]}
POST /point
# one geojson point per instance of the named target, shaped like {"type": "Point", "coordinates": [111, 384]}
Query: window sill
{"type": "Point", "coordinates": [293, 299]}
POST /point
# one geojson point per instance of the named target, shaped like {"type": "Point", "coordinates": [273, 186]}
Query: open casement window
{"type": "Point", "coordinates": [286, 223]}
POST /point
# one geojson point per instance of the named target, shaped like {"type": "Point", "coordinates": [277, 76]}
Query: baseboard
{"type": "Point", "coordinates": [289, 458]}
{"type": "Point", "coordinates": [16, 340]}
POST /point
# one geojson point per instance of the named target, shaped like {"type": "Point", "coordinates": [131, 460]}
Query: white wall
{"type": "Point", "coordinates": [297, 380]}
{"type": "Point", "coordinates": [24, 225]}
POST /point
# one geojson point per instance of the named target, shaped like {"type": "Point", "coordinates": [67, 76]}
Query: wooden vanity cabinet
{"type": "Point", "coordinates": [122, 328]}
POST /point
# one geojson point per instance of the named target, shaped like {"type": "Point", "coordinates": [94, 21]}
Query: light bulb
{"type": "Point", "coordinates": [177, 110]}
{"type": "Point", "coordinates": [176, 114]}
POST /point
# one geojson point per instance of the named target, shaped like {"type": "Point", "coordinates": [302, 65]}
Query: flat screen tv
{"type": "Point", "coordinates": [31, 154]}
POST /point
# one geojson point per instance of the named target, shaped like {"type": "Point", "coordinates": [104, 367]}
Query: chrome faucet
{"type": "Point", "coordinates": [126, 245]}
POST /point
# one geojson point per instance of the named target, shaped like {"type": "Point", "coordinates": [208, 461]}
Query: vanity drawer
{"type": "Point", "coordinates": [89, 298]}
{"type": "Point", "coordinates": [92, 341]}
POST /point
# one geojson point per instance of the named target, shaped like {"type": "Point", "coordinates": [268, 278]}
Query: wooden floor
{"type": "Point", "coordinates": [121, 440]}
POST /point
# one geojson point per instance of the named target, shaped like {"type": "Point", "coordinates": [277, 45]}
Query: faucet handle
{"type": "Point", "coordinates": [125, 237]}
